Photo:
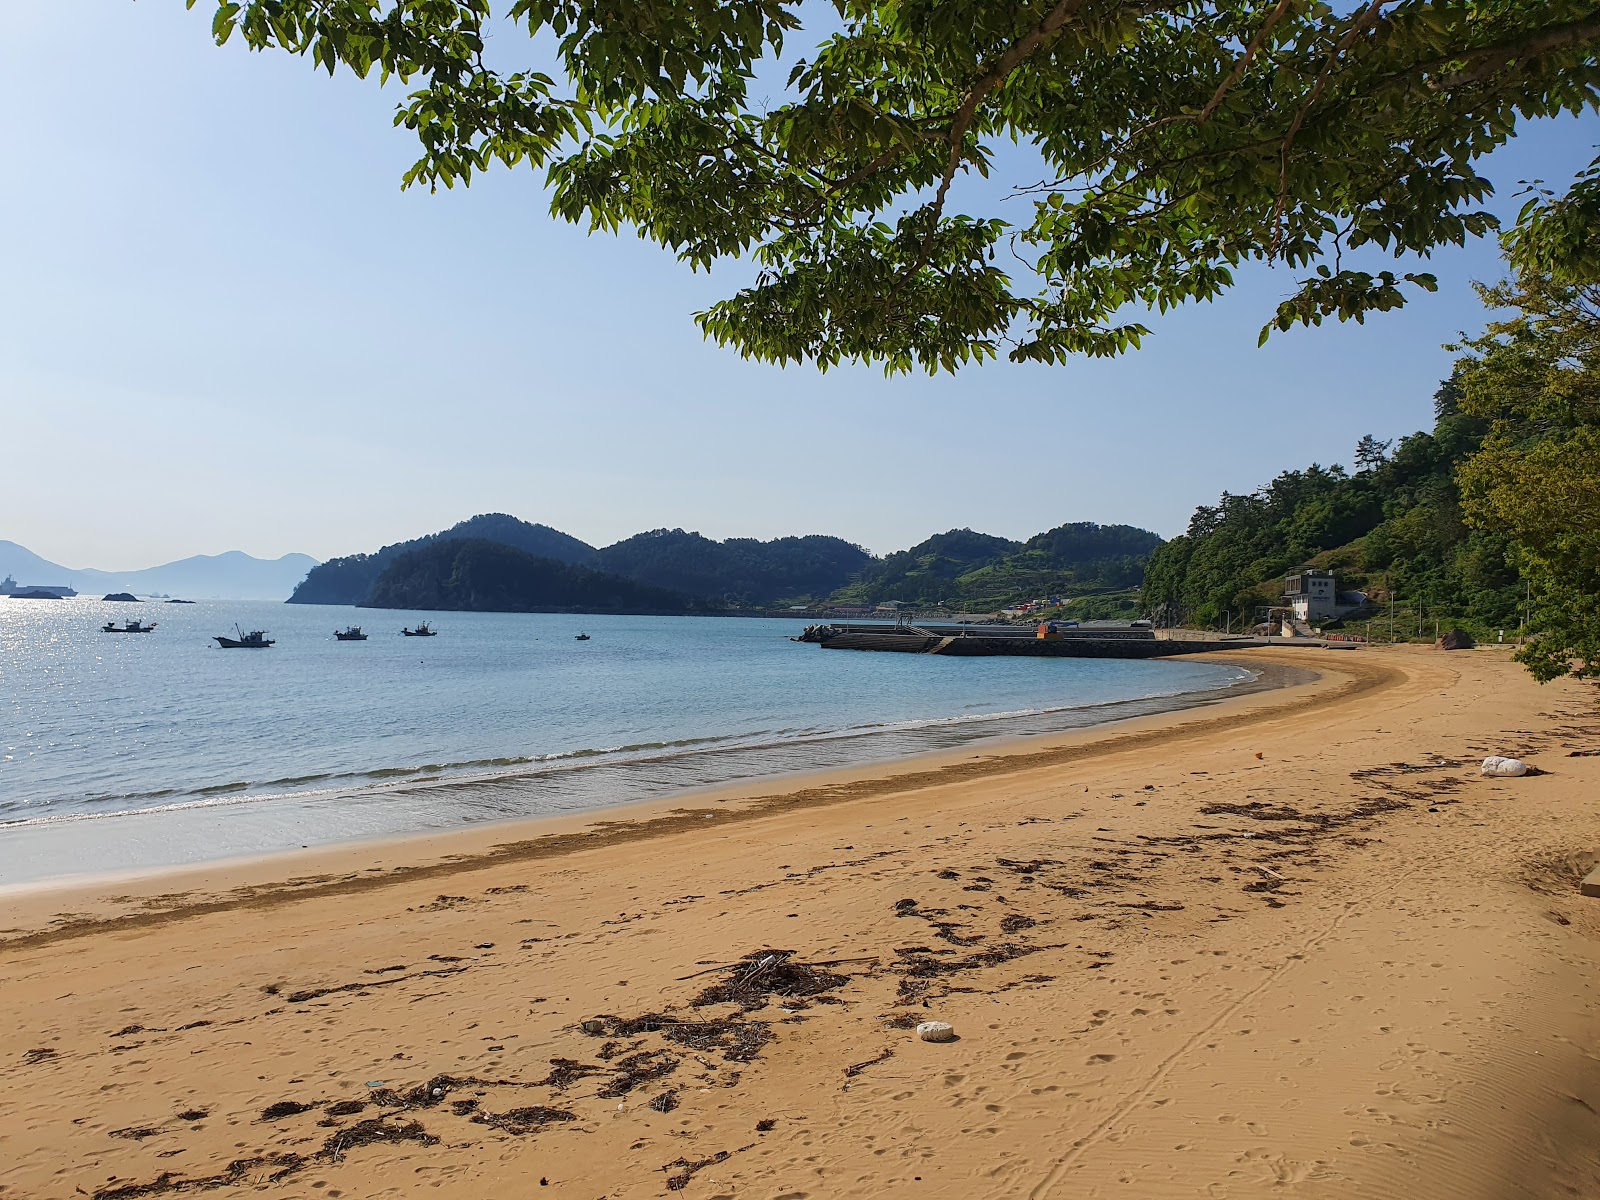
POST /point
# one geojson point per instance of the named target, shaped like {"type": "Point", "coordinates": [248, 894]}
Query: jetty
{"type": "Point", "coordinates": [1029, 641]}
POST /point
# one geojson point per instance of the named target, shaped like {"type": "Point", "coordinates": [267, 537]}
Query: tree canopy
{"type": "Point", "coordinates": [1394, 529]}
{"type": "Point", "coordinates": [739, 571]}
{"type": "Point", "coordinates": [1535, 377]}
{"type": "Point", "coordinates": [475, 575]}
{"type": "Point", "coordinates": [1168, 143]}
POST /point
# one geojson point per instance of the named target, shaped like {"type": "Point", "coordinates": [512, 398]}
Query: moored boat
{"type": "Point", "coordinates": [351, 633]}
{"type": "Point", "coordinates": [127, 627]}
{"type": "Point", "coordinates": [421, 630]}
{"type": "Point", "coordinates": [256, 639]}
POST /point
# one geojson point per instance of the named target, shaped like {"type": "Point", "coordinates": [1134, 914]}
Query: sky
{"type": "Point", "coordinates": [224, 326]}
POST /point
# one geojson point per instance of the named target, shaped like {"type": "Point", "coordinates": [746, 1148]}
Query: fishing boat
{"type": "Point", "coordinates": [127, 627]}
{"type": "Point", "coordinates": [582, 637]}
{"type": "Point", "coordinates": [256, 639]}
{"type": "Point", "coordinates": [421, 630]}
{"type": "Point", "coordinates": [350, 633]}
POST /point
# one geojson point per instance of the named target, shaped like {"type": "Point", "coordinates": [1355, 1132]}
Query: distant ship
{"type": "Point", "coordinates": [421, 630]}
{"type": "Point", "coordinates": [351, 633]}
{"type": "Point", "coordinates": [127, 627]}
{"type": "Point", "coordinates": [34, 591]}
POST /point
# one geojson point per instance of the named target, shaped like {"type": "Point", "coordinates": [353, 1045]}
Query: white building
{"type": "Point", "coordinates": [1312, 595]}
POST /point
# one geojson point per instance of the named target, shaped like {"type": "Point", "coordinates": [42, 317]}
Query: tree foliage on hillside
{"type": "Point", "coordinates": [1171, 142]}
{"type": "Point", "coordinates": [927, 572]}
{"type": "Point", "coordinates": [740, 571]}
{"type": "Point", "coordinates": [1535, 378]}
{"type": "Point", "coordinates": [350, 579]}
{"type": "Point", "coordinates": [1394, 527]}
{"type": "Point", "coordinates": [980, 572]}
{"type": "Point", "coordinates": [473, 575]}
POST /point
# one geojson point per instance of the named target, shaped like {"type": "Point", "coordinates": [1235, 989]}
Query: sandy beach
{"type": "Point", "coordinates": [1288, 943]}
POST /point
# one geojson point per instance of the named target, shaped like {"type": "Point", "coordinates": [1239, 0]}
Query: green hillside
{"type": "Point", "coordinates": [350, 579]}
{"type": "Point", "coordinates": [980, 572]}
{"type": "Point", "coordinates": [1393, 529]}
{"type": "Point", "coordinates": [738, 571]}
{"type": "Point", "coordinates": [474, 575]}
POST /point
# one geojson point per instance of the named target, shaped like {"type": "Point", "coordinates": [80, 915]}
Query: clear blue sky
{"type": "Point", "coordinates": [224, 326]}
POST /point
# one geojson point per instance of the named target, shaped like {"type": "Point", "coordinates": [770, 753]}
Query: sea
{"type": "Point", "coordinates": [134, 752]}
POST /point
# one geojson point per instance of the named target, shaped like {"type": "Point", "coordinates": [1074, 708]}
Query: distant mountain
{"type": "Point", "coordinates": [230, 576]}
{"type": "Point", "coordinates": [474, 575]}
{"type": "Point", "coordinates": [977, 571]}
{"type": "Point", "coordinates": [739, 571]}
{"type": "Point", "coordinates": [349, 580]}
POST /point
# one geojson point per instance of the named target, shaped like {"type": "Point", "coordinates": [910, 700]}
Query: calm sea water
{"type": "Point", "coordinates": [134, 751]}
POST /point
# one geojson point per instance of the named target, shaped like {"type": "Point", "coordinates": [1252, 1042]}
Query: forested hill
{"type": "Point", "coordinates": [350, 580]}
{"type": "Point", "coordinates": [474, 575]}
{"type": "Point", "coordinates": [738, 571]}
{"type": "Point", "coordinates": [977, 571]}
{"type": "Point", "coordinates": [1395, 525]}
{"type": "Point", "coordinates": [981, 572]}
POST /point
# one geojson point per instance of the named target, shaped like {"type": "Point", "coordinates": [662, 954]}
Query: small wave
{"type": "Point", "coordinates": [505, 769]}
{"type": "Point", "coordinates": [219, 789]}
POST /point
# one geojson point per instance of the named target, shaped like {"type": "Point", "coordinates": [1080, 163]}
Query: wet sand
{"type": "Point", "coordinates": [1290, 943]}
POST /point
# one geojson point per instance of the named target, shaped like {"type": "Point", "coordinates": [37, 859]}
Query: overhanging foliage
{"type": "Point", "coordinates": [1179, 139]}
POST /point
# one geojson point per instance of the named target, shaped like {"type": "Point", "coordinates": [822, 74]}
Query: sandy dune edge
{"type": "Point", "coordinates": [1347, 967]}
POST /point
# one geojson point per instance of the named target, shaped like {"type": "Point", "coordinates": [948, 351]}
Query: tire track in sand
{"type": "Point", "coordinates": [1058, 1170]}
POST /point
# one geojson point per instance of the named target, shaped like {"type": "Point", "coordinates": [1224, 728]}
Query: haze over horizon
{"type": "Point", "coordinates": [228, 329]}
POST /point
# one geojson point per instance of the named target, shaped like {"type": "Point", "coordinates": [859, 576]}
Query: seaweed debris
{"type": "Point", "coordinates": [370, 1131]}
{"type": "Point", "coordinates": [524, 1120]}
{"type": "Point", "coordinates": [283, 1108]}
{"type": "Point", "coordinates": [736, 1039]}
{"type": "Point", "coordinates": [919, 968]}
{"type": "Point", "coordinates": [686, 1169]}
{"type": "Point", "coordinates": [763, 974]}
{"type": "Point", "coordinates": [855, 1069]}
{"type": "Point", "coordinates": [281, 1166]}
{"type": "Point", "coordinates": [566, 1071]}
{"type": "Point", "coordinates": [645, 1066]}
{"type": "Point", "coordinates": [666, 1101]}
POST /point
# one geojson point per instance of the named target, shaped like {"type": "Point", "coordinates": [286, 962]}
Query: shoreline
{"type": "Point", "coordinates": [304, 873]}
{"type": "Point", "coordinates": [1268, 677]}
{"type": "Point", "coordinates": [1290, 943]}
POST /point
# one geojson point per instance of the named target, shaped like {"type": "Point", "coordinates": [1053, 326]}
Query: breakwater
{"type": "Point", "coordinates": [982, 641]}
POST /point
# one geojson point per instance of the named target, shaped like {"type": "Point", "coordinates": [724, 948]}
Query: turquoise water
{"type": "Point", "coordinates": [132, 751]}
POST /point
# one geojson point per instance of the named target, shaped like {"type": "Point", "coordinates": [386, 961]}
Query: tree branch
{"type": "Point", "coordinates": [1018, 53]}
{"type": "Point", "coordinates": [1543, 41]}
{"type": "Point", "coordinates": [1054, 21]}
{"type": "Point", "coordinates": [1243, 64]}
{"type": "Point", "coordinates": [1362, 24]}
